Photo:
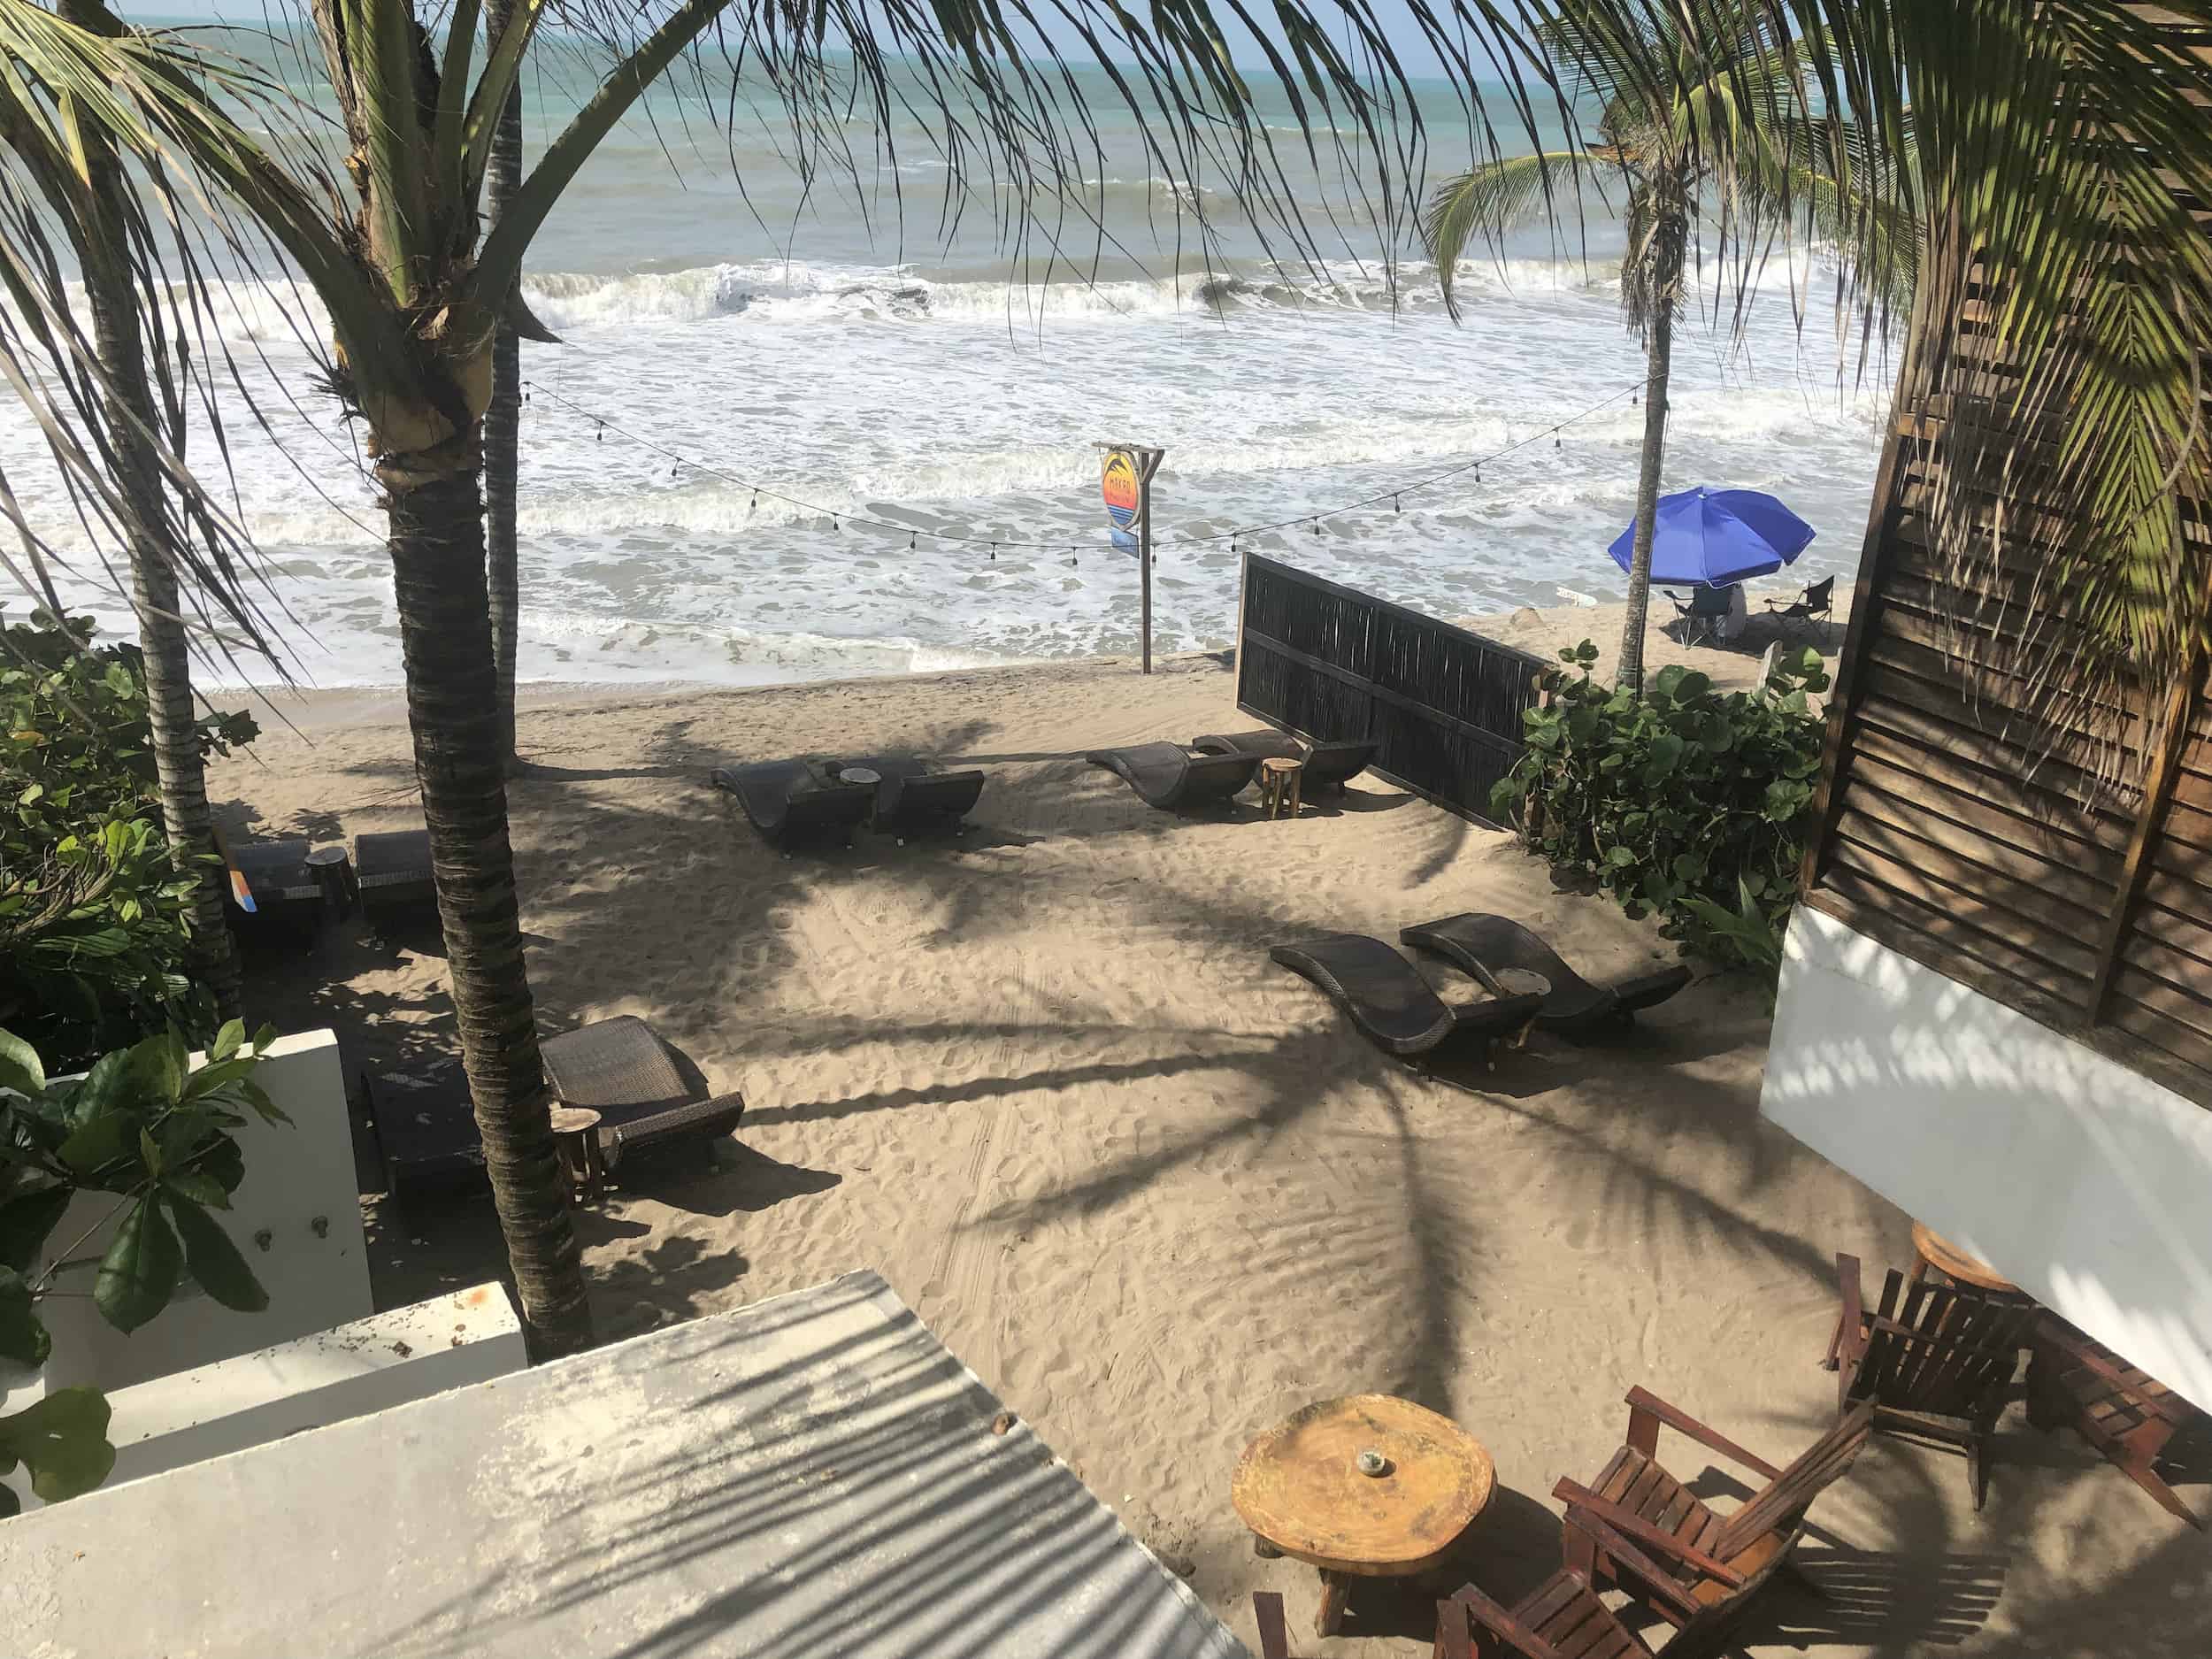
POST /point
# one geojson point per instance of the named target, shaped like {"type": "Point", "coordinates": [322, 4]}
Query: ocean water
{"type": "Point", "coordinates": [753, 367]}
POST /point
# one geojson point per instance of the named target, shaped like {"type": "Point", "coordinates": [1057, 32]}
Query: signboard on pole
{"type": "Point", "coordinates": [1126, 482]}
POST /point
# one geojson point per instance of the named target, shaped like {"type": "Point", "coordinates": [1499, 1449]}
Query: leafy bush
{"type": "Point", "coordinates": [143, 1126]}
{"type": "Point", "coordinates": [95, 912]}
{"type": "Point", "coordinates": [1682, 802]}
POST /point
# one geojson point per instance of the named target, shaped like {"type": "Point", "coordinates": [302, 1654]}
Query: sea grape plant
{"type": "Point", "coordinates": [158, 1135]}
{"type": "Point", "coordinates": [1683, 801]}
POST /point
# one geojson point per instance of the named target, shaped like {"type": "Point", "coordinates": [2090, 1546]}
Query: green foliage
{"type": "Point", "coordinates": [1681, 800]}
{"type": "Point", "coordinates": [142, 1125]}
{"type": "Point", "coordinates": [94, 912]}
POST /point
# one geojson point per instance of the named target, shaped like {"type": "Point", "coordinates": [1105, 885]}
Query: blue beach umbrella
{"type": "Point", "coordinates": [1718, 536]}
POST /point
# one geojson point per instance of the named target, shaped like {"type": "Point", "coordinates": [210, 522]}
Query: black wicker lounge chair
{"type": "Point", "coordinates": [627, 1074]}
{"type": "Point", "coordinates": [1490, 947]}
{"type": "Point", "coordinates": [1393, 1005]}
{"type": "Point", "coordinates": [425, 1129]}
{"type": "Point", "coordinates": [1169, 777]}
{"type": "Point", "coordinates": [914, 798]}
{"type": "Point", "coordinates": [1328, 766]}
{"type": "Point", "coordinates": [270, 888]}
{"type": "Point", "coordinates": [391, 873]}
{"type": "Point", "coordinates": [797, 802]}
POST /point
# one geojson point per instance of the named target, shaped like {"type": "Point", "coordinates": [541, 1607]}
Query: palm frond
{"type": "Point", "coordinates": [1492, 200]}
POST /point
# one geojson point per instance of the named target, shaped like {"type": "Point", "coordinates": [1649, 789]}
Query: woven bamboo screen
{"type": "Point", "coordinates": [1961, 821]}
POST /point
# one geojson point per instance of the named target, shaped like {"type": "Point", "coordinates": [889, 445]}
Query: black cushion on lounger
{"type": "Point", "coordinates": [1328, 766]}
{"type": "Point", "coordinates": [391, 871]}
{"type": "Point", "coordinates": [1169, 777]}
{"type": "Point", "coordinates": [425, 1128]}
{"type": "Point", "coordinates": [1392, 1005]}
{"type": "Point", "coordinates": [915, 797]}
{"type": "Point", "coordinates": [1489, 947]}
{"type": "Point", "coordinates": [790, 802]}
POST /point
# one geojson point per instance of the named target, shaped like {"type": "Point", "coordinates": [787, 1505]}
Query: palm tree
{"type": "Point", "coordinates": [1722, 129]}
{"type": "Point", "coordinates": [502, 421]}
{"type": "Point", "coordinates": [417, 289]}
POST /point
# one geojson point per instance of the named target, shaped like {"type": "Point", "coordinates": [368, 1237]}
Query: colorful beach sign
{"type": "Point", "coordinates": [1122, 484]}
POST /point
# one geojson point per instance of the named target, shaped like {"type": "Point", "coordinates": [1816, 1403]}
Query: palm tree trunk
{"type": "Point", "coordinates": [186, 817]}
{"type": "Point", "coordinates": [1669, 244]}
{"type": "Point", "coordinates": [437, 550]}
{"type": "Point", "coordinates": [502, 419]}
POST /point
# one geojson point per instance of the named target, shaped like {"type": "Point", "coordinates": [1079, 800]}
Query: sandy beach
{"type": "Point", "coordinates": [1153, 1188]}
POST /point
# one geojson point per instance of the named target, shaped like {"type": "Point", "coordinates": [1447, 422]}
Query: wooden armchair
{"type": "Point", "coordinates": [1563, 1618]}
{"type": "Point", "coordinates": [2077, 1382]}
{"type": "Point", "coordinates": [1935, 1361]}
{"type": "Point", "coordinates": [1638, 1525]}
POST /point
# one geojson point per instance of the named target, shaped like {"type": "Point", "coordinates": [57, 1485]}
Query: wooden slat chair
{"type": "Point", "coordinates": [1935, 1361]}
{"type": "Point", "coordinates": [2076, 1382]}
{"type": "Point", "coordinates": [1638, 1525]}
{"type": "Point", "coordinates": [1563, 1618]}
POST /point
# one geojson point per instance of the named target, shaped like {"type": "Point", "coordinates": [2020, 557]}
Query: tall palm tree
{"type": "Point", "coordinates": [1721, 131]}
{"type": "Point", "coordinates": [416, 289]}
{"type": "Point", "coordinates": [502, 421]}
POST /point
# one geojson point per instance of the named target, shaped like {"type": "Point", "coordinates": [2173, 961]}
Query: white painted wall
{"type": "Point", "coordinates": [299, 1189]}
{"type": "Point", "coordinates": [2083, 1182]}
{"type": "Point", "coordinates": [387, 1359]}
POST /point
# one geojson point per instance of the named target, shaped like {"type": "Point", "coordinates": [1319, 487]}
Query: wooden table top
{"type": "Point", "coordinates": [568, 1120]}
{"type": "Point", "coordinates": [1300, 1486]}
{"type": "Point", "coordinates": [1947, 1258]}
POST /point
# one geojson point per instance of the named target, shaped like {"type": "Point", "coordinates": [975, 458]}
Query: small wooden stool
{"type": "Point", "coordinates": [575, 1133]}
{"type": "Point", "coordinates": [1931, 1251]}
{"type": "Point", "coordinates": [1278, 778]}
{"type": "Point", "coordinates": [1364, 1486]}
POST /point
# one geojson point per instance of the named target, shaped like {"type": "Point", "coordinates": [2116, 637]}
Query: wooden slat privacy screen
{"type": "Point", "coordinates": [1442, 705]}
{"type": "Point", "coordinates": [1953, 824]}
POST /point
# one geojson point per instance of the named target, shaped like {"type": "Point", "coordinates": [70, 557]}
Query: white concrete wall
{"type": "Point", "coordinates": [299, 1189]}
{"type": "Point", "coordinates": [2083, 1182]}
{"type": "Point", "coordinates": [387, 1359]}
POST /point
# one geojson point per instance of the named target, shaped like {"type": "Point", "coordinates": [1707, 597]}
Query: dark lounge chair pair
{"type": "Point", "coordinates": [645, 1092]}
{"type": "Point", "coordinates": [808, 801]}
{"type": "Point", "coordinates": [1215, 766]}
{"type": "Point", "coordinates": [1529, 984]}
{"type": "Point", "coordinates": [391, 877]}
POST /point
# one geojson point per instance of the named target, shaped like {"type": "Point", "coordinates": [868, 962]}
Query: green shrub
{"type": "Point", "coordinates": [1682, 802]}
{"type": "Point", "coordinates": [95, 912]}
{"type": "Point", "coordinates": [143, 1126]}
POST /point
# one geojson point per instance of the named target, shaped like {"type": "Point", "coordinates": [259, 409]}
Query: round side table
{"type": "Point", "coordinates": [575, 1131]}
{"type": "Point", "coordinates": [1363, 1486]}
{"type": "Point", "coordinates": [1931, 1251]}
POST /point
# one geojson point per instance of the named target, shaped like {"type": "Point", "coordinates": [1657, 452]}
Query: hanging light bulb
{"type": "Point", "coordinates": [836, 526]}
{"type": "Point", "coordinates": [911, 540]}
{"type": "Point", "coordinates": [1396, 506]}
{"type": "Point", "coordinates": [755, 506]}
{"type": "Point", "coordinates": [1317, 527]}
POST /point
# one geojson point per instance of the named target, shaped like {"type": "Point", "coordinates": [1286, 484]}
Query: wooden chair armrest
{"type": "Point", "coordinates": [1498, 1622]}
{"type": "Point", "coordinates": [1642, 1402]}
{"type": "Point", "coordinates": [1620, 1518]}
{"type": "Point", "coordinates": [2168, 1405]}
{"type": "Point", "coordinates": [1849, 1342]}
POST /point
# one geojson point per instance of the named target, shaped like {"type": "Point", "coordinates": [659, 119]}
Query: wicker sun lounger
{"type": "Point", "coordinates": [915, 798]}
{"type": "Point", "coordinates": [1329, 766]}
{"type": "Point", "coordinates": [1393, 1005]}
{"type": "Point", "coordinates": [425, 1129]}
{"type": "Point", "coordinates": [796, 803]}
{"type": "Point", "coordinates": [622, 1072]}
{"type": "Point", "coordinates": [1489, 947]}
{"type": "Point", "coordinates": [1169, 777]}
{"type": "Point", "coordinates": [271, 890]}
{"type": "Point", "coordinates": [391, 872]}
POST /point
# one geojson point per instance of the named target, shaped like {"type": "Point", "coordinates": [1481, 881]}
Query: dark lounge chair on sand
{"type": "Point", "coordinates": [425, 1130]}
{"type": "Point", "coordinates": [914, 798]}
{"type": "Point", "coordinates": [1393, 1006]}
{"type": "Point", "coordinates": [794, 802]}
{"type": "Point", "coordinates": [1328, 766]}
{"type": "Point", "coordinates": [391, 872]}
{"type": "Point", "coordinates": [1489, 947]}
{"type": "Point", "coordinates": [286, 900]}
{"type": "Point", "coordinates": [1169, 777]}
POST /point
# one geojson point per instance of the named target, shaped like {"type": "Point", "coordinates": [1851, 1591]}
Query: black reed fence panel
{"type": "Point", "coordinates": [1443, 706]}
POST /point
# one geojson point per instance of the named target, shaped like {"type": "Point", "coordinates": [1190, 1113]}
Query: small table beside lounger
{"type": "Point", "coordinates": [1279, 782]}
{"type": "Point", "coordinates": [572, 1127]}
{"type": "Point", "coordinates": [1363, 1486]}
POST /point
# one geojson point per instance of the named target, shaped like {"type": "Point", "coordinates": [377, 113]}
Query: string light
{"type": "Point", "coordinates": [1395, 497]}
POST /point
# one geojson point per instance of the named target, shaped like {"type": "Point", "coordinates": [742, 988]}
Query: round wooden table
{"type": "Point", "coordinates": [1364, 1486]}
{"type": "Point", "coordinates": [1931, 1250]}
